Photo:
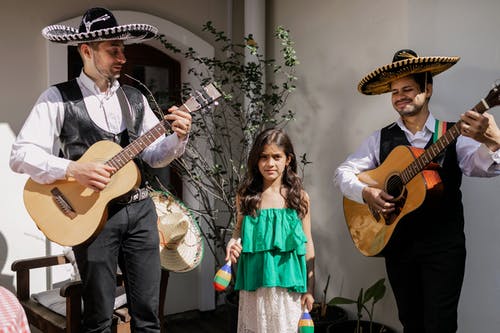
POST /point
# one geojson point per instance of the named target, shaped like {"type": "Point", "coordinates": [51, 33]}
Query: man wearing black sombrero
{"type": "Point", "coordinates": [70, 117]}
{"type": "Point", "coordinates": [425, 256]}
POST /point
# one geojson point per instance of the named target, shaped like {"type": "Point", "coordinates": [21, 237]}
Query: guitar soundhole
{"type": "Point", "coordinates": [395, 186]}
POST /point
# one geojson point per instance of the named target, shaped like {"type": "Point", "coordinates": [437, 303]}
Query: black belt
{"type": "Point", "coordinates": [132, 196]}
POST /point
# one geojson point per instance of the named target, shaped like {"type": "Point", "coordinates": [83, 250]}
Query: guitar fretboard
{"type": "Point", "coordinates": [137, 146]}
{"type": "Point", "coordinates": [436, 148]}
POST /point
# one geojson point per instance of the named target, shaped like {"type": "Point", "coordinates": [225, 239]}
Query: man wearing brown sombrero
{"type": "Point", "coordinates": [72, 116]}
{"type": "Point", "coordinates": [425, 256]}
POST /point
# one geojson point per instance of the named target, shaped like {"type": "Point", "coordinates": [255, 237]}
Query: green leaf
{"type": "Point", "coordinates": [341, 300]}
{"type": "Point", "coordinates": [376, 291]}
{"type": "Point", "coordinates": [359, 303]}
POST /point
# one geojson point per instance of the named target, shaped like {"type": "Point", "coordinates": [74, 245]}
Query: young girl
{"type": "Point", "coordinates": [276, 256]}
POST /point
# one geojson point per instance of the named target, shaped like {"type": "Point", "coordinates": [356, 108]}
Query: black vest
{"type": "Point", "coordinates": [79, 132]}
{"type": "Point", "coordinates": [440, 219]}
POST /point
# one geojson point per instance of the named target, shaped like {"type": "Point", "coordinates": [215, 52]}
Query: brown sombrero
{"type": "Point", "coordinates": [99, 24]}
{"type": "Point", "coordinates": [404, 63]}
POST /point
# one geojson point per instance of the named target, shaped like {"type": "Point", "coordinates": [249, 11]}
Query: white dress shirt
{"type": "Point", "coordinates": [35, 151]}
{"type": "Point", "coordinates": [474, 159]}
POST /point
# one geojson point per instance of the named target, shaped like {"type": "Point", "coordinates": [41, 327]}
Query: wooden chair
{"type": "Point", "coordinates": [50, 322]}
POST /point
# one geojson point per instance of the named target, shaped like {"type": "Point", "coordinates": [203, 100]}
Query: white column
{"type": "Point", "coordinates": [255, 22]}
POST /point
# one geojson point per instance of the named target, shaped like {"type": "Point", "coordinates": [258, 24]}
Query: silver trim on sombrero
{"type": "Point", "coordinates": [130, 32]}
{"type": "Point", "coordinates": [88, 25]}
{"type": "Point", "coordinates": [377, 82]}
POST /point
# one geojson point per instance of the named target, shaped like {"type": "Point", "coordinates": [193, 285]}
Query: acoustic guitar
{"type": "Point", "coordinates": [402, 175]}
{"type": "Point", "coordinates": [69, 213]}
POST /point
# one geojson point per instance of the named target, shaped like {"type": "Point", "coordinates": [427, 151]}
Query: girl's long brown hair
{"type": "Point", "coordinates": [250, 191]}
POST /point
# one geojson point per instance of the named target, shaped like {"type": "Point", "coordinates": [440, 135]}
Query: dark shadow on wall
{"type": "Point", "coordinates": [6, 281]}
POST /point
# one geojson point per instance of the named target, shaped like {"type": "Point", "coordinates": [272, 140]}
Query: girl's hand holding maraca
{"type": "Point", "coordinates": [307, 301]}
{"type": "Point", "coordinates": [223, 276]}
{"type": "Point", "coordinates": [233, 250]}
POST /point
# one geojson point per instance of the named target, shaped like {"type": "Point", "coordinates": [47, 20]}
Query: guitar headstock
{"type": "Point", "coordinates": [202, 98]}
{"type": "Point", "coordinates": [493, 98]}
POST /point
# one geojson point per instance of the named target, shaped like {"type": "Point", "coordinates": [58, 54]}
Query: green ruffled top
{"type": "Point", "coordinates": [274, 249]}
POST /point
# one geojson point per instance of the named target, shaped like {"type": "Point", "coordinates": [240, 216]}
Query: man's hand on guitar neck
{"type": "Point", "coordinates": [180, 121]}
{"type": "Point", "coordinates": [378, 200]}
{"type": "Point", "coordinates": [482, 128]}
{"type": "Point", "coordinates": [90, 174]}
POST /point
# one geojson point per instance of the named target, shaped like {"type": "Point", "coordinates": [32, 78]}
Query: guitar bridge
{"type": "Point", "coordinates": [62, 203]}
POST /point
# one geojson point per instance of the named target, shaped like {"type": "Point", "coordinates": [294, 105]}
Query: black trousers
{"type": "Point", "coordinates": [427, 285]}
{"type": "Point", "coordinates": [129, 238]}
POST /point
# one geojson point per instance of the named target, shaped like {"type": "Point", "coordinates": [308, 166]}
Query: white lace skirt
{"type": "Point", "coordinates": [269, 310]}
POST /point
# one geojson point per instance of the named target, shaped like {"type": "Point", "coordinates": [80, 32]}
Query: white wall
{"type": "Point", "coordinates": [338, 42]}
{"type": "Point", "coordinates": [22, 238]}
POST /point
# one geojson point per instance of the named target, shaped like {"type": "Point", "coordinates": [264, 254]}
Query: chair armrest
{"type": "Point", "coordinates": [22, 268]}
{"type": "Point", "coordinates": [39, 262]}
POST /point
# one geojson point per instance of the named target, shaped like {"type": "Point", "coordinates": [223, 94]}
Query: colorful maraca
{"type": "Point", "coordinates": [223, 276]}
{"type": "Point", "coordinates": [306, 324]}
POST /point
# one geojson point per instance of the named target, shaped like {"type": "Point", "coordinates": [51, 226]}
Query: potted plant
{"type": "Point", "coordinates": [373, 294]}
{"type": "Point", "coordinates": [324, 314]}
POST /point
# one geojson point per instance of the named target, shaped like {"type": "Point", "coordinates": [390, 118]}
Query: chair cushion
{"type": "Point", "coordinates": [52, 299]}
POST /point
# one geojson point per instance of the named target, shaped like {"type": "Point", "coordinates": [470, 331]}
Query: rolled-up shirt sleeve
{"type": "Point", "coordinates": [166, 148]}
{"type": "Point", "coordinates": [476, 160]}
{"type": "Point", "coordinates": [365, 158]}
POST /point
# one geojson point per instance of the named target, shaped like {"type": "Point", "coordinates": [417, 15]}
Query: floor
{"type": "Point", "coordinates": [217, 321]}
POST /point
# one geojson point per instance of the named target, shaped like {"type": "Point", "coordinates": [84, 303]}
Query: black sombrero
{"type": "Point", "coordinates": [404, 63]}
{"type": "Point", "coordinates": [99, 24]}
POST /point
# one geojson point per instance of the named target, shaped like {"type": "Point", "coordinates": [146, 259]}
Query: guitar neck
{"type": "Point", "coordinates": [437, 147]}
{"type": "Point", "coordinates": [138, 145]}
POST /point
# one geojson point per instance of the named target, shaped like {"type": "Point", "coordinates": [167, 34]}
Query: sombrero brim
{"type": "Point", "coordinates": [378, 81]}
{"type": "Point", "coordinates": [188, 252]}
{"type": "Point", "coordinates": [129, 33]}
